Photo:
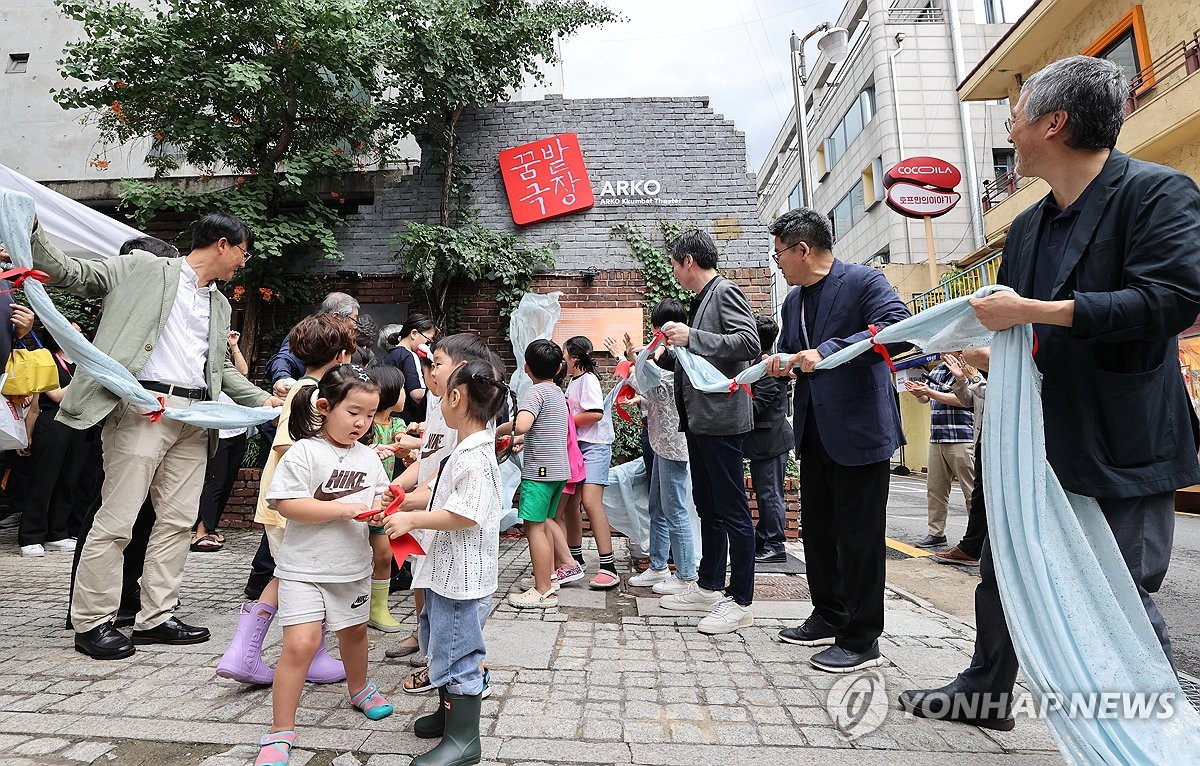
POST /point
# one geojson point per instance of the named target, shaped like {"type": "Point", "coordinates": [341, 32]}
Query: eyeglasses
{"type": "Point", "coordinates": [245, 253]}
{"type": "Point", "coordinates": [426, 337]}
{"type": "Point", "coordinates": [775, 255]}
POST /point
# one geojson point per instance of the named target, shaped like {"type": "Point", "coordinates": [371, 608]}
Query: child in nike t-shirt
{"type": "Point", "coordinates": [328, 486]}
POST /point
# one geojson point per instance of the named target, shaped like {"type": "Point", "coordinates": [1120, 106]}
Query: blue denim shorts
{"type": "Point", "coordinates": [597, 459]}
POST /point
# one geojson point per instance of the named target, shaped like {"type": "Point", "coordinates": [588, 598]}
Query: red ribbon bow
{"type": "Point", "coordinates": [881, 348]}
{"type": "Point", "coordinates": [18, 274]}
{"type": "Point", "coordinates": [624, 396]}
{"type": "Point", "coordinates": [734, 386]}
{"type": "Point", "coordinates": [157, 415]}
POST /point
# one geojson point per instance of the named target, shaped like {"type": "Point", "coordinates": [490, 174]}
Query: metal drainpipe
{"type": "Point", "coordinates": [964, 121]}
{"type": "Point", "coordinates": [899, 131]}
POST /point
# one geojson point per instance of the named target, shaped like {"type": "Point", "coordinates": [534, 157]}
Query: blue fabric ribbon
{"type": "Point", "coordinates": [16, 222]}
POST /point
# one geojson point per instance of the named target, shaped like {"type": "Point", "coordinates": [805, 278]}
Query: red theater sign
{"type": "Point", "coordinates": [920, 187]}
{"type": "Point", "coordinates": [546, 179]}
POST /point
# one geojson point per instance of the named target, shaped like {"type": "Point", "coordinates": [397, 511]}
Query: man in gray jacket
{"type": "Point", "coordinates": [165, 320]}
{"type": "Point", "coordinates": [721, 329]}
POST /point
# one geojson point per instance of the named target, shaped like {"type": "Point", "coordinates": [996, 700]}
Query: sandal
{"type": "Point", "coordinates": [641, 563]}
{"type": "Point", "coordinates": [275, 747]}
{"type": "Point", "coordinates": [604, 580]}
{"type": "Point", "coordinates": [418, 682]}
{"type": "Point", "coordinates": [207, 544]}
{"type": "Point", "coordinates": [371, 702]}
{"type": "Point", "coordinates": [220, 537]}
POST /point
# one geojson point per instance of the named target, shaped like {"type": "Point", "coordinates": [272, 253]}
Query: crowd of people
{"type": "Point", "coordinates": [366, 452]}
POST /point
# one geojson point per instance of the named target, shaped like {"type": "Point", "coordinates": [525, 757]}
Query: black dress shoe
{"type": "Point", "coordinates": [104, 642]}
{"type": "Point", "coordinates": [837, 659]}
{"type": "Point", "coordinates": [953, 702]}
{"type": "Point", "coordinates": [770, 557]}
{"type": "Point", "coordinates": [171, 632]}
{"type": "Point", "coordinates": [931, 541]}
{"type": "Point", "coordinates": [125, 617]}
{"type": "Point", "coordinates": [815, 631]}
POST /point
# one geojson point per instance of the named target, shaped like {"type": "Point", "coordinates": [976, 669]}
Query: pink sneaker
{"type": "Point", "coordinates": [371, 702]}
{"type": "Point", "coordinates": [565, 575]}
{"type": "Point", "coordinates": [274, 748]}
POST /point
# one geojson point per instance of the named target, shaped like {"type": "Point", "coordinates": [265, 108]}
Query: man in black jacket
{"type": "Point", "coordinates": [1105, 268]}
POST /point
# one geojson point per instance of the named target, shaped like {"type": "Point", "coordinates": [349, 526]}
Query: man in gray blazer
{"type": "Point", "coordinates": [167, 322]}
{"type": "Point", "coordinates": [721, 329]}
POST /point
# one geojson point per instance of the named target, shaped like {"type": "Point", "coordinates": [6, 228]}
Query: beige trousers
{"type": "Point", "coordinates": [948, 462]}
{"type": "Point", "coordinates": [166, 459]}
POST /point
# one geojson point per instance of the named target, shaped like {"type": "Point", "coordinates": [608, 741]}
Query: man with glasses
{"type": "Point", "coordinates": [167, 323]}
{"type": "Point", "coordinates": [847, 425]}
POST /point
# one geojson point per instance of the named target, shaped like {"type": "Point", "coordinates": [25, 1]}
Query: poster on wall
{"type": "Point", "coordinates": [546, 179]}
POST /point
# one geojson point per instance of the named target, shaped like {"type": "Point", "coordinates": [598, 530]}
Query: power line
{"type": "Point", "coordinates": [797, 9]}
{"type": "Point", "coordinates": [761, 68]}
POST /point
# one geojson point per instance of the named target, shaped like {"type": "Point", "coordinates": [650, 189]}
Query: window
{"type": "Point", "coordinates": [857, 117]}
{"type": "Point", "coordinates": [1127, 45]}
{"type": "Point", "coordinates": [873, 190]}
{"type": "Point", "coordinates": [17, 63]}
{"type": "Point", "coordinates": [850, 209]}
{"type": "Point", "coordinates": [1003, 162]}
{"type": "Point", "coordinates": [794, 198]}
{"type": "Point", "coordinates": [993, 12]}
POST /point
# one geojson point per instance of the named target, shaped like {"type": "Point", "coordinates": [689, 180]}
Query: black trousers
{"type": "Point", "coordinates": [1144, 528]}
{"type": "Point", "coordinates": [219, 477]}
{"type": "Point", "coordinates": [843, 516]}
{"type": "Point", "coordinates": [976, 534]}
{"type": "Point", "coordinates": [726, 528]}
{"type": "Point", "coordinates": [54, 468]}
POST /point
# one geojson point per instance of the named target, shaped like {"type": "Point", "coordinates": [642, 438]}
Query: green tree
{"type": "Point", "coordinates": [276, 96]}
{"type": "Point", "coordinates": [454, 54]}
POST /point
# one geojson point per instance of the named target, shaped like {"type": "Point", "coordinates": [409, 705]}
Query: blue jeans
{"type": "Point", "coordinates": [670, 525]}
{"type": "Point", "coordinates": [457, 649]}
{"type": "Point", "coordinates": [767, 477]}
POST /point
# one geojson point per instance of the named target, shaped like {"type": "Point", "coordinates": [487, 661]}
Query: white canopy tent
{"type": "Point", "coordinates": [76, 228]}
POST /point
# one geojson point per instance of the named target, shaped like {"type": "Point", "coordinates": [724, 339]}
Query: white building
{"type": "Point", "coordinates": [893, 96]}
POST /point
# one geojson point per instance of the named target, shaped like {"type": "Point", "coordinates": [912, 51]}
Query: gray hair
{"type": "Point", "coordinates": [389, 336]}
{"type": "Point", "coordinates": [1091, 91]}
{"type": "Point", "coordinates": [803, 225]}
{"type": "Point", "coordinates": [338, 303]}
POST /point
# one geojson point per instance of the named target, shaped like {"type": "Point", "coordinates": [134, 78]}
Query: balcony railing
{"type": "Point", "coordinates": [963, 283]}
{"type": "Point", "coordinates": [1183, 56]}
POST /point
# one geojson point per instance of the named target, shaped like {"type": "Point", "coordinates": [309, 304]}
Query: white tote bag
{"type": "Point", "coordinates": [13, 434]}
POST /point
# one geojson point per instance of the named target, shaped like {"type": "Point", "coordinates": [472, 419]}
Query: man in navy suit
{"type": "Point", "coordinates": [1105, 269]}
{"type": "Point", "coordinates": [847, 425]}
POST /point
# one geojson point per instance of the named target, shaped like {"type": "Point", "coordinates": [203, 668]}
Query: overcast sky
{"type": "Point", "coordinates": [734, 51]}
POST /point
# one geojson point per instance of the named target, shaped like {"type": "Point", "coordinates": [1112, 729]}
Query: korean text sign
{"type": "Point", "coordinates": [546, 179]}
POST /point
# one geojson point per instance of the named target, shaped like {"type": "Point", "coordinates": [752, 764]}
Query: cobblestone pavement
{"type": "Point", "coordinates": [606, 678]}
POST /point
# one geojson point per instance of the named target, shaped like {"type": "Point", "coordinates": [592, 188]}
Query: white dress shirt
{"type": "Point", "coordinates": [182, 350]}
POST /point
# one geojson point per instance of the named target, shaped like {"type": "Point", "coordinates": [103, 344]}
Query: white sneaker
{"type": "Point", "coordinates": [693, 598]}
{"type": "Point", "coordinates": [66, 545]}
{"type": "Point", "coordinates": [32, 551]}
{"type": "Point", "coordinates": [531, 599]}
{"type": "Point", "coordinates": [525, 583]}
{"type": "Point", "coordinates": [650, 577]}
{"type": "Point", "coordinates": [726, 617]}
{"type": "Point", "coordinates": [672, 586]}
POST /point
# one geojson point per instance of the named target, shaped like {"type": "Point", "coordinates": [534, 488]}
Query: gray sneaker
{"type": "Point", "coordinates": [10, 521]}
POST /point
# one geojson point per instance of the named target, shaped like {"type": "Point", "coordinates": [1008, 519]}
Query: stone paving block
{"type": "Point", "coordinates": [521, 644]}
{"type": "Point", "coordinates": [41, 746]}
{"type": "Point", "coordinates": [927, 661]}
{"type": "Point", "coordinates": [85, 752]}
{"type": "Point", "coordinates": [582, 598]}
{"type": "Point", "coordinates": [1029, 734]}
{"type": "Point", "coordinates": [564, 751]}
{"type": "Point", "coordinates": [346, 759]}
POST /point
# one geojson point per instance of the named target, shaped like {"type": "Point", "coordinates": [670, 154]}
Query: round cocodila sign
{"type": "Point", "coordinates": [919, 201]}
{"type": "Point", "coordinates": [924, 171]}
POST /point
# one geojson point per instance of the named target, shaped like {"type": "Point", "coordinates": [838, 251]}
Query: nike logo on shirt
{"type": "Point", "coordinates": [340, 484]}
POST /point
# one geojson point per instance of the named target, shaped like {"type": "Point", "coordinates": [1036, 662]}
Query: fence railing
{"type": "Point", "coordinates": [963, 283]}
{"type": "Point", "coordinates": [1183, 56]}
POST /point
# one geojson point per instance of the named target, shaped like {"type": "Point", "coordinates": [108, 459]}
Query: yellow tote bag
{"type": "Point", "coordinates": [30, 372]}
